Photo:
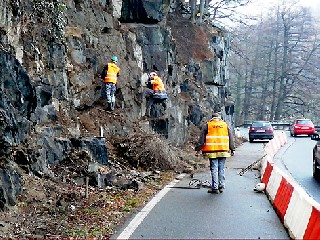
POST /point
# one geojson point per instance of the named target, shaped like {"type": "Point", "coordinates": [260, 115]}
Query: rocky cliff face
{"type": "Point", "coordinates": [51, 94]}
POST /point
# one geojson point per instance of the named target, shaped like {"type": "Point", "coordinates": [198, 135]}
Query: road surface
{"type": "Point", "coordinates": [237, 213]}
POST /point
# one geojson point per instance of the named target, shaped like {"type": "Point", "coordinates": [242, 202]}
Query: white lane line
{"type": "Point", "coordinates": [135, 222]}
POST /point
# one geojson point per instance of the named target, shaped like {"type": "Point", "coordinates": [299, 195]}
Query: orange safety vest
{"type": "Point", "coordinates": [217, 138]}
{"type": "Point", "coordinates": [158, 88]}
{"type": "Point", "coordinates": [112, 73]}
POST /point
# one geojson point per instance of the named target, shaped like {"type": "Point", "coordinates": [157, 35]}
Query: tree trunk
{"type": "Point", "coordinates": [275, 74]}
{"type": "Point", "coordinates": [193, 10]}
{"type": "Point", "coordinates": [282, 89]}
{"type": "Point", "coordinates": [237, 111]}
{"type": "Point", "coordinates": [202, 2]}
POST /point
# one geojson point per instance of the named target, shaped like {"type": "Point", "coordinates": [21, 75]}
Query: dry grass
{"type": "Point", "coordinates": [146, 151]}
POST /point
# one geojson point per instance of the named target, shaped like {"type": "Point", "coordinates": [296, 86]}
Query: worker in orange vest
{"type": "Point", "coordinates": [217, 143]}
{"type": "Point", "coordinates": [110, 74]}
{"type": "Point", "coordinates": [156, 92]}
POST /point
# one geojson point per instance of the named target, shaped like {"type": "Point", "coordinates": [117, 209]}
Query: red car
{"type": "Point", "coordinates": [302, 127]}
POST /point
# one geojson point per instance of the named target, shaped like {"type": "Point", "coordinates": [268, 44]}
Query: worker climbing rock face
{"type": "Point", "coordinates": [156, 92]}
{"type": "Point", "coordinates": [110, 75]}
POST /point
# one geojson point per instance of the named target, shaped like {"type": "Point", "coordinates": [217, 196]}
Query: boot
{"type": "Point", "coordinates": [108, 107]}
{"type": "Point", "coordinates": [112, 106]}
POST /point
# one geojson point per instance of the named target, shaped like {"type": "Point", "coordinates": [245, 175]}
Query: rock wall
{"type": "Point", "coordinates": [51, 57]}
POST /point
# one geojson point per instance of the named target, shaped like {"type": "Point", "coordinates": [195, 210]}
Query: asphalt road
{"type": "Point", "coordinates": [237, 213]}
{"type": "Point", "coordinates": [296, 158]}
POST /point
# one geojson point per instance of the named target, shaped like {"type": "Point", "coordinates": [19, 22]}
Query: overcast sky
{"type": "Point", "coordinates": [258, 7]}
{"type": "Point", "coordinates": [310, 3]}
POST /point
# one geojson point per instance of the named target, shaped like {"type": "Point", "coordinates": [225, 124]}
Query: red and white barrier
{"type": "Point", "coordinates": [299, 213]}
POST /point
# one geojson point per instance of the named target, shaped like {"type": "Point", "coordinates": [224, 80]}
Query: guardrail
{"type": "Point", "coordinates": [282, 126]}
{"type": "Point", "coordinates": [278, 125]}
{"type": "Point", "coordinates": [274, 124]}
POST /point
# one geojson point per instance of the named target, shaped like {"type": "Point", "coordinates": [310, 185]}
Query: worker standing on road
{"type": "Point", "coordinates": [155, 93]}
{"type": "Point", "coordinates": [217, 143]}
{"type": "Point", "coordinates": [110, 74]}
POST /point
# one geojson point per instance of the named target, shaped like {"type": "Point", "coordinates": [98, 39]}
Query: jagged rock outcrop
{"type": "Point", "coordinates": [51, 60]}
{"type": "Point", "coordinates": [147, 12]}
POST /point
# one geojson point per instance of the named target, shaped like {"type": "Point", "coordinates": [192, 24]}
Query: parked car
{"type": "Point", "coordinates": [316, 156]}
{"type": "Point", "coordinates": [302, 127]}
{"type": "Point", "coordinates": [261, 130]}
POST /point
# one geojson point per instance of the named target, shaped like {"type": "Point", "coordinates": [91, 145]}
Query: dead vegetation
{"type": "Point", "coordinates": [50, 208]}
{"type": "Point", "coordinates": [191, 40]}
{"type": "Point", "coordinates": [62, 207]}
{"type": "Point", "coordinates": [148, 152]}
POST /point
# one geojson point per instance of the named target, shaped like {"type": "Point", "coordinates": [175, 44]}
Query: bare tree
{"type": "Point", "coordinates": [281, 70]}
{"type": "Point", "coordinates": [214, 9]}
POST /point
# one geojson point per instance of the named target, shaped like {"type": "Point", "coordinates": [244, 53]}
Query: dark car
{"type": "Point", "coordinates": [316, 156]}
{"type": "Point", "coordinates": [261, 130]}
{"type": "Point", "coordinates": [302, 127]}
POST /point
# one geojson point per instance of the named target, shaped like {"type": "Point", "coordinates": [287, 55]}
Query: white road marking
{"type": "Point", "coordinates": [135, 222]}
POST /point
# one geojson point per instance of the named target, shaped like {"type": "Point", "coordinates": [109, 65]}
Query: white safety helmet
{"type": "Point", "coordinates": [260, 187]}
{"type": "Point", "coordinates": [152, 74]}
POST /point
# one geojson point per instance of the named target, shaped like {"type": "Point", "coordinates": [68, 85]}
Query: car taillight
{"type": "Point", "coordinates": [270, 130]}
{"type": "Point", "coordinates": [251, 129]}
